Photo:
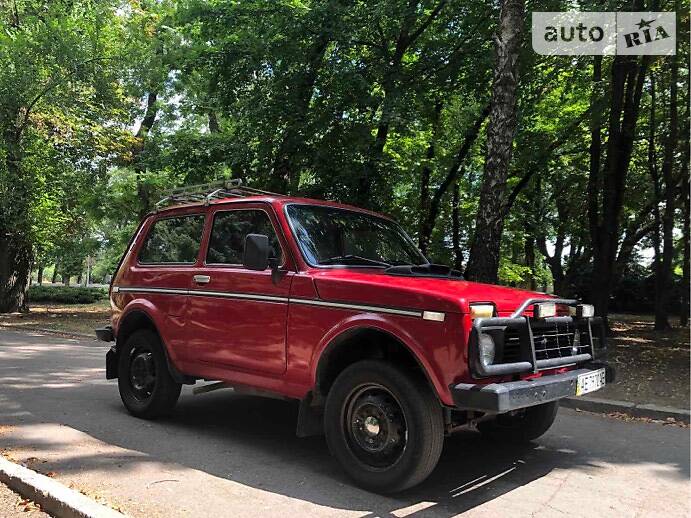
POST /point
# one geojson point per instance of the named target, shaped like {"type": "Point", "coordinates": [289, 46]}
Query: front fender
{"type": "Point", "coordinates": [431, 356]}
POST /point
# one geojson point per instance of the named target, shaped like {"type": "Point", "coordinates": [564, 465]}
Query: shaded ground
{"type": "Point", "coordinates": [652, 367]}
{"type": "Point", "coordinates": [75, 318]}
{"type": "Point", "coordinates": [224, 454]}
{"type": "Point", "coordinates": [14, 506]}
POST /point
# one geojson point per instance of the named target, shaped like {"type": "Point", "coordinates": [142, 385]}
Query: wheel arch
{"type": "Point", "coordinates": [132, 321]}
{"type": "Point", "coordinates": [366, 342]}
{"type": "Point", "coordinates": [138, 319]}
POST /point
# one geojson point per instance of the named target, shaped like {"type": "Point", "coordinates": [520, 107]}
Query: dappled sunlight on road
{"type": "Point", "coordinates": [224, 447]}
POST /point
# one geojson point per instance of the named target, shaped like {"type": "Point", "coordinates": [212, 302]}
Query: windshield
{"type": "Point", "coordinates": [331, 236]}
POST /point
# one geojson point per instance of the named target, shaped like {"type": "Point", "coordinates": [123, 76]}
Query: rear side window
{"type": "Point", "coordinates": [173, 241]}
{"type": "Point", "coordinates": [227, 243]}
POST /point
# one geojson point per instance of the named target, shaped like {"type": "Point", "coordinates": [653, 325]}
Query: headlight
{"type": "Point", "coordinates": [544, 310]}
{"type": "Point", "coordinates": [585, 310]}
{"type": "Point", "coordinates": [487, 350]}
{"type": "Point", "coordinates": [481, 311]}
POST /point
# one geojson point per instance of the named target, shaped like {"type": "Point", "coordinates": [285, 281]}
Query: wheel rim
{"type": "Point", "coordinates": [375, 427]}
{"type": "Point", "coordinates": [142, 374]}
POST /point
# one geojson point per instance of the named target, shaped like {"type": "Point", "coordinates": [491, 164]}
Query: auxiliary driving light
{"type": "Point", "coordinates": [544, 310]}
{"type": "Point", "coordinates": [585, 310]}
{"type": "Point", "coordinates": [481, 311]}
{"type": "Point", "coordinates": [487, 350]}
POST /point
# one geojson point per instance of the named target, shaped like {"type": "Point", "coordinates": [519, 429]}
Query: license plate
{"type": "Point", "coordinates": [590, 382]}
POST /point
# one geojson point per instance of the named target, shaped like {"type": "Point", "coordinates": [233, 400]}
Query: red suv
{"type": "Point", "coordinates": [335, 306]}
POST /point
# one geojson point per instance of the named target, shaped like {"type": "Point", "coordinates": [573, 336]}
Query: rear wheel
{"type": "Point", "coordinates": [522, 425]}
{"type": "Point", "coordinates": [383, 426]}
{"type": "Point", "coordinates": [146, 386]}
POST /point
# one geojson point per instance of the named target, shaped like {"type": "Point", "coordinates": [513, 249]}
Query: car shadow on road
{"type": "Point", "coordinates": [251, 441]}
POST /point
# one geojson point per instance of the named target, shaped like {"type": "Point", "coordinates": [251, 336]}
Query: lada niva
{"type": "Point", "coordinates": [334, 306]}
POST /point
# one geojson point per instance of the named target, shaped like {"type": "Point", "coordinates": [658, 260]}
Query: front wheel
{"type": "Point", "coordinates": [146, 386]}
{"type": "Point", "coordinates": [522, 425]}
{"type": "Point", "coordinates": [384, 426]}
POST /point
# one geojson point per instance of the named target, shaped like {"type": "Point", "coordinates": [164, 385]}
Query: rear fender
{"type": "Point", "coordinates": [141, 310]}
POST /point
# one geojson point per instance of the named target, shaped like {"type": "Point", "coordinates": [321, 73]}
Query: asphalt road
{"type": "Point", "coordinates": [223, 454]}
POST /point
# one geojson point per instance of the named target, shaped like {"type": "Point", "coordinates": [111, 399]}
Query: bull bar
{"type": "Point", "coordinates": [522, 330]}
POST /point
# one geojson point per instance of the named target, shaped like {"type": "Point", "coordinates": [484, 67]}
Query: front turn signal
{"type": "Point", "coordinates": [481, 311]}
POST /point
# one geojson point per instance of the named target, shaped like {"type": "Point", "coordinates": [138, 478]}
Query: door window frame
{"type": "Point", "coordinates": [207, 241]}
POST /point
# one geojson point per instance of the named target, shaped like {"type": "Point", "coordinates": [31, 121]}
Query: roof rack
{"type": "Point", "coordinates": [205, 192]}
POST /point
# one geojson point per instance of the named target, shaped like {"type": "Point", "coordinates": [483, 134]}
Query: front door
{"type": "Point", "coordinates": [237, 317]}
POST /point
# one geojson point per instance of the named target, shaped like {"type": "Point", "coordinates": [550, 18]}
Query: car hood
{"type": "Point", "coordinates": [374, 287]}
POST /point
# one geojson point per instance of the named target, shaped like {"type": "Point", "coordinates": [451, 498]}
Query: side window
{"type": "Point", "coordinates": [227, 243]}
{"type": "Point", "coordinates": [173, 241]}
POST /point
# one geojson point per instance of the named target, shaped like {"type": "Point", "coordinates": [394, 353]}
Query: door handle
{"type": "Point", "coordinates": [202, 279]}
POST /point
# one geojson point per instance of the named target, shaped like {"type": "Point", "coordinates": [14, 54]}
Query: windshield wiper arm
{"type": "Point", "coordinates": [354, 258]}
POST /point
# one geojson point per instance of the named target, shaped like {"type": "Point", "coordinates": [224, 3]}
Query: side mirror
{"type": "Point", "coordinates": [256, 256]}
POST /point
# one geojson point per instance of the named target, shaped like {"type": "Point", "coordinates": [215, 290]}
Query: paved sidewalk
{"type": "Point", "coordinates": [223, 454]}
{"type": "Point", "coordinates": [14, 506]}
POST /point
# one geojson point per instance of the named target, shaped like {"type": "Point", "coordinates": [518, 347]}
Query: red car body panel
{"type": "Point", "coordinates": [276, 344]}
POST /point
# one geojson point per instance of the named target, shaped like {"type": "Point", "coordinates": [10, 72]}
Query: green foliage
{"type": "Point", "coordinates": [66, 295]}
{"type": "Point", "coordinates": [306, 96]}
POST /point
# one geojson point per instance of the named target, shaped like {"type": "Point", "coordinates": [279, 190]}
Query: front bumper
{"type": "Point", "coordinates": [513, 395]}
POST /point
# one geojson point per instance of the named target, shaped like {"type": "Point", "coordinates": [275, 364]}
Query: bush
{"type": "Point", "coordinates": [66, 294]}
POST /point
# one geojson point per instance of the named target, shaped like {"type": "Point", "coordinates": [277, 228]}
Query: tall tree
{"type": "Point", "coordinates": [626, 87]}
{"type": "Point", "coordinates": [483, 264]}
{"type": "Point", "coordinates": [412, 27]}
{"type": "Point", "coordinates": [56, 62]}
{"type": "Point", "coordinates": [663, 274]}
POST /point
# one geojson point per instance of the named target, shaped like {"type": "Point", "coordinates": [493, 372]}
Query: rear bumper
{"type": "Point", "coordinates": [513, 395]}
{"type": "Point", "coordinates": [105, 334]}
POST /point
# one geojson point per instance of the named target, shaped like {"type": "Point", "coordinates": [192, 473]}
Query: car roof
{"type": "Point", "coordinates": [277, 201]}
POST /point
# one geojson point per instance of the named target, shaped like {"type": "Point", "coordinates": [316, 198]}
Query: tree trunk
{"type": "Point", "coordinates": [429, 219]}
{"type": "Point", "coordinates": [657, 194]}
{"type": "Point", "coordinates": [456, 228]}
{"type": "Point", "coordinates": [407, 36]}
{"type": "Point", "coordinates": [55, 275]}
{"type": "Point", "coordinates": [530, 260]}
{"type": "Point", "coordinates": [425, 175]}
{"type": "Point", "coordinates": [15, 261]}
{"type": "Point", "coordinates": [663, 283]}
{"type": "Point", "coordinates": [15, 247]}
{"type": "Point", "coordinates": [628, 77]}
{"type": "Point", "coordinates": [285, 177]}
{"type": "Point", "coordinates": [39, 275]}
{"type": "Point", "coordinates": [594, 177]}
{"type": "Point", "coordinates": [483, 264]}
{"type": "Point", "coordinates": [686, 278]}
{"type": "Point", "coordinates": [143, 191]}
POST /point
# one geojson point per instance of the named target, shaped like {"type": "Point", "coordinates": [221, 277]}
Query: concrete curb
{"type": "Point", "coordinates": [606, 406]}
{"type": "Point", "coordinates": [52, 496]}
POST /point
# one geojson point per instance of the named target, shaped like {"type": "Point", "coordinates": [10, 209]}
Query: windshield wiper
{"type": "Point", "coordinates": [350, 258]}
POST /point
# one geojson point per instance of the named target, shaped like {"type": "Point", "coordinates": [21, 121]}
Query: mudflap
{"type": "Point", "coordinates": [310, 419]}
{"type": "Point", "coordinates": [112, 364]}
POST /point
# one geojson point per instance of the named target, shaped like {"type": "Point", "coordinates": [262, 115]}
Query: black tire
{"type": "Point", "coordinates": [521, 426]}
{"type": "Point", "coordinates": [146, 386]}
{"type": "Point", "coordinates": [395, 414]}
